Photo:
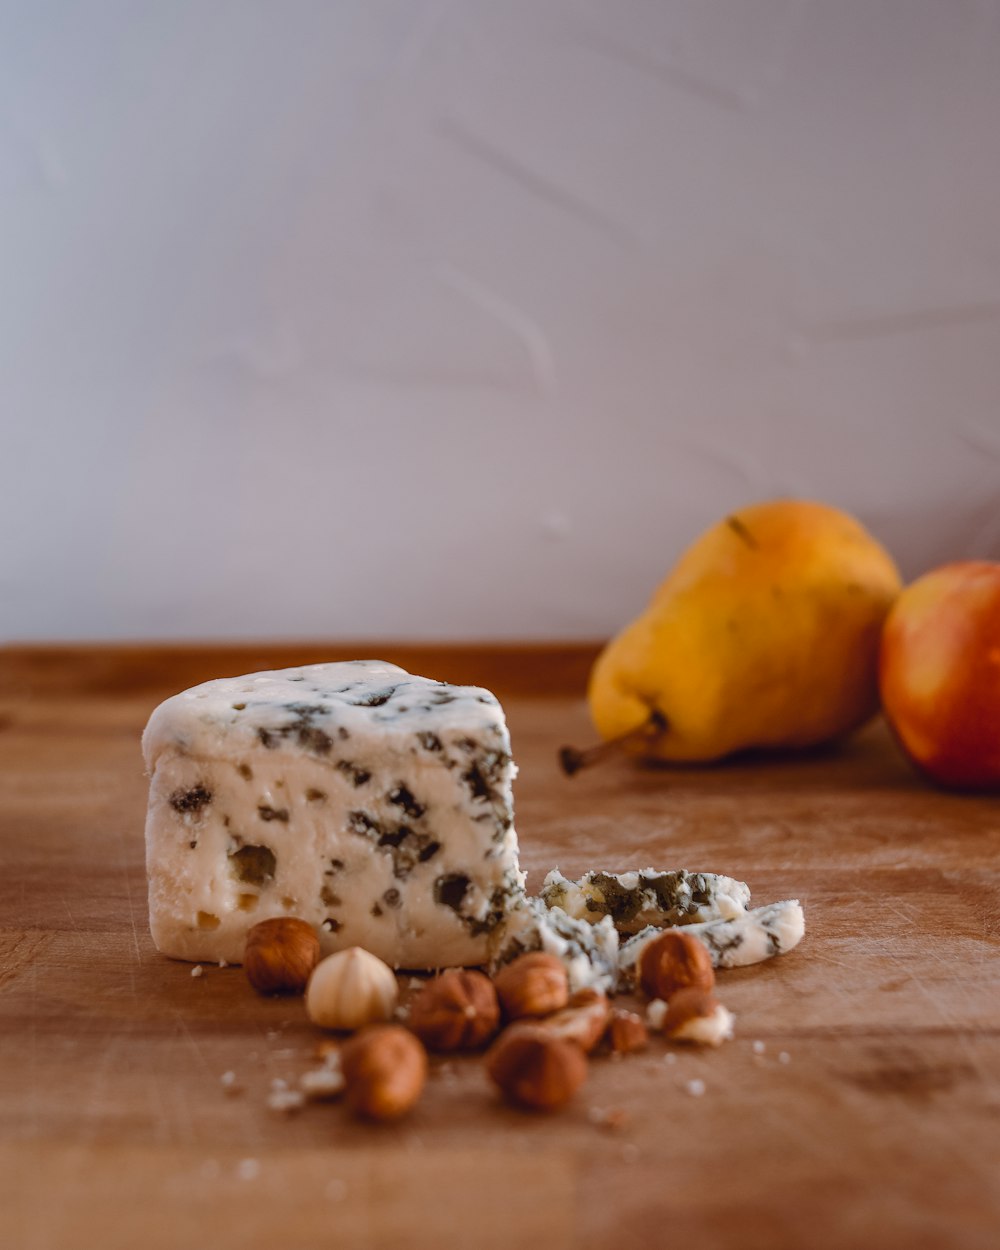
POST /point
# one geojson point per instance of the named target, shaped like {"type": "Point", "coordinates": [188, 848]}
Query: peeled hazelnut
{"type": "Point", "coordinates": [535, 1069]}
{"type": "Point", "coordinates": [535, 984]}
{"type": "Point", "coordinates": [695, 1015]}
{"type": "Point", "coordinates": [583, 1020]}
{"type": "Point", "coordinates": [351, 988]}
{"type": "Point", "coordinates": [457, 1011]}
{"type": "Point", "coordinates": [627, 1032]}
{"type": "Point", "coordinates": [280, 954]}
{"type": "Point", "coordinates": [384, 1068]}
{"type": "Point", "coordinates": [673, 961]}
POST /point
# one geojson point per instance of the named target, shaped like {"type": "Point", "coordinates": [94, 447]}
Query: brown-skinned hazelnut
{"type": "Point", "coordinates": [459, 1010]}
{"type": "Point", "coordinates": [280, 955]}
{"type": "Point", "coordinates": [627, 1032]}
{"type": "Point", "coordinates": [535, 984]}
{"type": "Point", "coordinates": [536, 1070]}
{"type": "Point", "coordinates": [675, 961]}
{"type": "Point", "coordinates": [384, 1067]}
{"type": "Point", "coordinates": [583, 1020]}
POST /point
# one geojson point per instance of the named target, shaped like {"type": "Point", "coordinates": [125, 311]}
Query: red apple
{"type": "Point", "coordinates": [939, 673]}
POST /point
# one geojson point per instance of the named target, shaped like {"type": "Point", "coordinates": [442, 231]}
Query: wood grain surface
{"type": "Point", "coordinates": [872, 1114]}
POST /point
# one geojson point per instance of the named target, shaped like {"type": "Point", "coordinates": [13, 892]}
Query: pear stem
{"type": "Point", "coordinates": [572, 759]}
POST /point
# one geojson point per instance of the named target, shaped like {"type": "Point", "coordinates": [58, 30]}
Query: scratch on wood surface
{"type": "Point", "coordinates": [93, 1111]}
{"type": "Point", "coordinates": [165, 1115]}
{"type": "Point", "coordinates": [20, 951]}
{"type": "Point", "coordinates": [908, 915]}
{"type": "Point", "coordinates": [828, 959]}
{"type": "Point", "coordinates": [946, 1016]}
{"type": "Point", "coordinates": [33, 1050]}
{"type": "Point", "coordinates": [192, 1041]}
{"type": "Point", "coordinates": [131, 907]}
{"type": "Point", "coordinates": [69, 912]}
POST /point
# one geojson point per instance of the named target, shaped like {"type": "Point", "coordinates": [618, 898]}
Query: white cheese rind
{"type": "Point", "coordinates": [647, 896]}
{"type": "Point", "coordinates": [372, 803]}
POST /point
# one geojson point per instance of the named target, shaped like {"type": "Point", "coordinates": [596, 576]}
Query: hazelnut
{"type": "Point", "coordinates": [457, 1011]}
{"type": "Point", "coordinates": [351, 988]}
{"type": "Point", "coordinates": [535, 1069]}
{"type": "Point", "coordinates": [627, 1032]}
{"type": "Point", "coordinates": [673, 961]}
{"type": "Point", "coordinates": [535, 984]}
{"type": "Point", "coordinates": [384, 1068]}
{"type": "Point", "coordinates": [583, 1020]}
{"type": "Point", "coordinates": [695, 1015]}
{"type": "Point", "coordinates": [280, 954]}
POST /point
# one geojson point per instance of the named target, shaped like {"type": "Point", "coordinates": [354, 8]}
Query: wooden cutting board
{"type": "Point", "coordinates": [867, 1111]}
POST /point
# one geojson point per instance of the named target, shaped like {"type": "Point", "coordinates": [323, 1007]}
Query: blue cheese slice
{"type": "Point", "coordinates": [647, 896]}
{"type": "Point", "coordinates": [588, 950]}
{"type": "Point", "coordinates": [372, 803]}
{"type": "Point", "coordinates": [748, 939]}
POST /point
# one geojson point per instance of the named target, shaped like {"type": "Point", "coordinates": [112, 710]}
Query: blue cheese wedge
{"type": "Point", "coordinates": [634, 900]}
{"type": "Point", "coordinates": [372, 803]}
{"type": "Point", "coordinates": [589, 950]}
{"type": "Point", "coordinates": [748, 939]}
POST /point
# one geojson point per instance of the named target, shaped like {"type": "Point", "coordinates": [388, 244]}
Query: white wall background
{"type": "Point", "coordinates": [458, 318]}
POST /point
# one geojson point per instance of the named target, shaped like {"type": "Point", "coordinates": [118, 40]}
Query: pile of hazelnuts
{"type": "Point", "coordinates": [537, 1034]}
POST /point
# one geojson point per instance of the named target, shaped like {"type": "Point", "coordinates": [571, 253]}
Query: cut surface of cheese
{"type": "Point", "coordinates": [589, 950]}
{"type": "Point", "coordinates": [372, 803]}
{"type": "Point", "coordinates": [647, 896]}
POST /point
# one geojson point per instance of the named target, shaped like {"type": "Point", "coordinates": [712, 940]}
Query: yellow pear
{"type": "Point", "coordinates": [766, 634]}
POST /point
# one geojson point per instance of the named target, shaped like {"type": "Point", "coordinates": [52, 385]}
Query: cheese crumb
{"type": "Point", "coordinates": [696, 1087]}
{"type": "Point", "coordinates": [230, 1083]}
{"type": "Point", "coordinates": [197, 970]}
{"type": "Point", "coordinates": [324, 1082]}
{"type": "Point", "coordinates": [670, 1057]}
{"type": "Point", "coordinates": [607, 1117]}
{"type": "Point", "coordinates": [248, 1169]}
{"type": "Point", "coordinates": [784, 1057]}
{"type": "Point", "coordinates": [285, 1101]}
{"type": "Point", "coordinates": [656, 1013]}
{"type": "Point", "coordinates": [759, 1048]}
{"type": "Point", "coordinates": [710, 1030]}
